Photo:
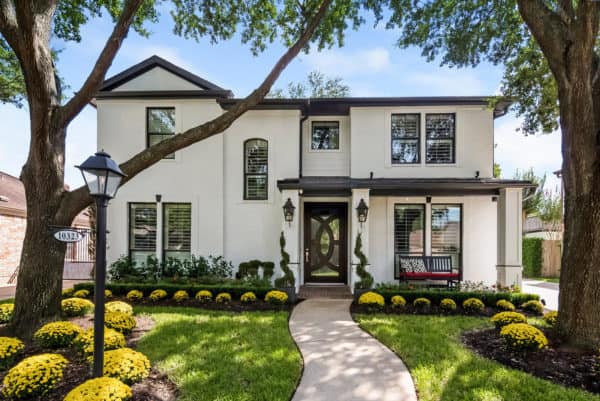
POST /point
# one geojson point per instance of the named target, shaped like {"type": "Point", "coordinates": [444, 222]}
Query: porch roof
{"type": "Point", "coordinates": [342, 186]}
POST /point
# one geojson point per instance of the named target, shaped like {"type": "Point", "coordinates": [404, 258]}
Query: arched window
{"type": "Point", "coordinates": [256, 167]}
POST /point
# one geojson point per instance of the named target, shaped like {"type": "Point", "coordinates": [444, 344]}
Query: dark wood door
{"type": "Point", "coordinates": [325, 242]}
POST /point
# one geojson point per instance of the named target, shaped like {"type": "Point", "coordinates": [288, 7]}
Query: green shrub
{"type": "Point", "coordinates": [57, 334]}
{"type": "Point", "coordinates": [366, 279]}
{"type": "Point", "coordinates": [10, 348]}
{"type": "Point", "coordinates": [523, 337]}
{"type": "Point", "coordinates": [551, 318]}
{"type": "Point", "coordinates": [436, 295]}
{"type": "Point", "coordinates": [422, 303]}
{"type": "Point", "coordinates": [533, 307]}
{"type": "Point", "coordinates": [398, 301]}
{"type": "Point", "coordinates": [6, 312]}
{"type": "Point", "coordinates": [473, 305]}
{"type": "Point", "coordinates": [34, 376]}
{"type": "Point", "coordinates": [121, 289]}
{"type": "Point", "coordinates": [447, 305]}
{"type": "Point", "coordinates": [532, 257]}
{"type": "Point", "coordinates": [504, 318]}
{"type": "Point", "coordinates": [252, 267]}
{"type": "Point", "coordinates": [288, 279]}
{"type": "Point", "coordinates": [122, 322]}
{"type": "Point", "coordinates": [505, 305]}
{"type": "Point", "coordinates": [118, 306]}
{"type": "Point", "coordinates": [72, 307]}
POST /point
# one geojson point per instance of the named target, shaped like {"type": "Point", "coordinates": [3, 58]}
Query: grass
{"type": "Point", "coordinates": [223, 356]}
{"type": "Point", "coordinates": [444, 370]}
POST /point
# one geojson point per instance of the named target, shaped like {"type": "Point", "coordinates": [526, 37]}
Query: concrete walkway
{"type": "Point", "coordinates": [342, 362]}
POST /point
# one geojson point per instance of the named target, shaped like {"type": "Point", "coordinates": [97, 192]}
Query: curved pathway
{"type": "Point", "coordinates": [342, 362]}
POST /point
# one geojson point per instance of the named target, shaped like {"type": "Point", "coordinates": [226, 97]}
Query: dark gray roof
{"type": "Point", "coordinates": [321, 186]}
{"type": "Point", "coordinates": [153, 62]}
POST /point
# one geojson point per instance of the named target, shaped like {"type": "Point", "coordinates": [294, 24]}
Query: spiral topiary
{"type": "Point", "coordinates": [288, 279]}
{"type": "Point", "coordinates": [366, 279]}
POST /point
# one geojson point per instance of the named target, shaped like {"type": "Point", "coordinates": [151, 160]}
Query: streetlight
{"type": "Point", "coordinates": [102, 177]}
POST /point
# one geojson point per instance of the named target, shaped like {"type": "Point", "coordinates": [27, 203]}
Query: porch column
{"type": "Point", "coordinates": [291, 232]}
{"type": "Point", "coordinates": [358, 228]}
{"type": "Point", "coordinates": [509, 267]}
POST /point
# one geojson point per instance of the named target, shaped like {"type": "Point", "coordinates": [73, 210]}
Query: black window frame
{"type": "Point", "coordinates": [129, 208]}
{"type": "Point", "coordinates": [163, 250]}
{"type": "Point", "coordinates": [418, 139]}
{"type": "Point", "coordinates": [246, 174]}
{"type": "Point", "coordinates": [148, 133]}
{"type": "Point", "coordinates": [460, 232]}
{"type": "Point", "coordinates": [424, 209]}
{"type": "Point", "coordinates": [427, 139]}
{"type": "Point", "coordinates": [312, 128]}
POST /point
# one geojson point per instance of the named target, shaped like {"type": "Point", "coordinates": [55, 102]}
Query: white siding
{"type": "Point", "coordinates": [326, 162]}
{"type": "Point", "coordinates": [157, 79]}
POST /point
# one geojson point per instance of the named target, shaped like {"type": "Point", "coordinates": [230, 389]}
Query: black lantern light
{"type": "Point", "coordinates": [362, 210]}
{"type": "Point", "coordinates": [288, 210]}
{"type": "Point", "coordinates": [102, 177]}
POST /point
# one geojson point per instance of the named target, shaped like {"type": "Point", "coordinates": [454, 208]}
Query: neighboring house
{"type": "Point", "coordinates": [422, 165]}
{"type": "Point", "coordinates": [534, 227]}
{"type": "Point", "coordinates": [13, 218]}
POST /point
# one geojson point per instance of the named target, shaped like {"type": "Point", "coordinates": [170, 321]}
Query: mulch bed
{"type": "Point", "coordinates": [557, 363]}
{"type": "Point", "coordinates": [156, 387]}
{"type": "Point", "coordinates": [233, 306]}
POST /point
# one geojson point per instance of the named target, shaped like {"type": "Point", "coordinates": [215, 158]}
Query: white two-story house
{"type": "Point", "coordinates": [421, 165]}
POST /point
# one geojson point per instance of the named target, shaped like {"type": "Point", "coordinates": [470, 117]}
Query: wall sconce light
{"type": "Point", "coordinates": [158, 198]}
{"type": "Point", "coordinates": [362, 210]}
{"type": "Point", "coordinates": [428, 199]}
{"type": "Point", "coordinates": [288, 211]}
{"type": "Point", "coordinates": [494, 199]}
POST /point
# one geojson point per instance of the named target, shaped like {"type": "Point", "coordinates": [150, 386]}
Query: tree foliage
{"type": "Point", "coordinates": [317, 85]}
{"type": "Point", "coordinates": [532, 197]}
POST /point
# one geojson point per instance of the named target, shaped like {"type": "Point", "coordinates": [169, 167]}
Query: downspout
{"type": "Point", "coordinates": [302, 119]}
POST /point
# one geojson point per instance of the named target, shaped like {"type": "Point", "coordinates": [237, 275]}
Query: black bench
{"type": "Point", "coordinates": [425, 268]}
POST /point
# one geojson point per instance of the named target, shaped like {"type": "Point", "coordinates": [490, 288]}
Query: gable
{"type": "Point", "coordinates": [157, 79]}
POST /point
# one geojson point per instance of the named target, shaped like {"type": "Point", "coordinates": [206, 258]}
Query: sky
{"type": "Point", "coordinates": [369, 63]}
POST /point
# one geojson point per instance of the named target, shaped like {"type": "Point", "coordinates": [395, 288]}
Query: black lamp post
{"type": "Point", "coordinates": [288, 210]}
{"type": "Point", "coordinates": [102, 177]}
{"type": "Point", "coordinates": [362, 210]}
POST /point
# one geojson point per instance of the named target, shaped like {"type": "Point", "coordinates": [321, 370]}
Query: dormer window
{"type": "Point", "coordinates": [441, 138]}
{"type": "Point", "coordinates": [160, 125]}
{"type": "Point", "coordinates": [325, 135]}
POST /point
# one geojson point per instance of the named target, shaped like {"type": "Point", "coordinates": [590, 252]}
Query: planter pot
{"type": "Point", "coordinates": [358, 292]}
{"type": "Point", "coordinates": [291, 293]}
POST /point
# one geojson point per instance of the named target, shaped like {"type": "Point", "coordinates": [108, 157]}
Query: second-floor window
{"type": "Point", "coordinates": [325, 135]}
{"type": "Point", "coordinates": [441, 138]}
{"type": "Point", "coordinates": [256, 169]}
{"type": "Point", "coordinates": [160, 125]}
{"type": "Point", "coordinates": [406, 139]}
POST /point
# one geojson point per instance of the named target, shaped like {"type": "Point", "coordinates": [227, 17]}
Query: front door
{"type": "Point", "coordinates": [325, 240]}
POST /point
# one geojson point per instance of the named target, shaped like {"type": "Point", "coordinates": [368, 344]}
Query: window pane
{"type": "Point", "coordinates": [177, 228]}
{"type": "Point", "coordinates": [440, 132]}
{"type": "Point", "coordinates": [405, 151]}
{"type": "Point", "coordinates": [256, 156]}
{"type": "Point", "coordinates": [325, 136]}
{"type": "Point", "coordinates": [153, 139]}
{"type": "Point", "coordinates": [161, 121]}
{"type": "Point", "coordinates": [409, 221]}
{"type": "Point", "coordinates": [256, 187]}
{"type": "Point", "coordinates": [445, 231]}
{"type": "Point", "coordinates": [142, 229]}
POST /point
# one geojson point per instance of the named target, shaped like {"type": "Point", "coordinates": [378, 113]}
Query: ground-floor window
{"type": "Point", "coordinates": [446, 232]}
{"type": "Point", "coordinates": [142, 231]}
{"type": "Point", "coordinates": [177, 230]}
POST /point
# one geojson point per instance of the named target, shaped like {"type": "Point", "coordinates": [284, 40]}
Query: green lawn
{"type": "Point", "coordinates": [444, 370]}
{"type": "Point", "coordinates": [223, 356]}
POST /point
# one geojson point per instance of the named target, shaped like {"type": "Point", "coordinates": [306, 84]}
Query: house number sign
{"type": "Point", "coordinates": [68, 235]}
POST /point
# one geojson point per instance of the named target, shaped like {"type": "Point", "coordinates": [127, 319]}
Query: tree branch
{"type": "Point", "coordinates": [8, 21]}
{"type": "Point", "coordinates": [96, 77]}
{"type": "Point", "coordinates": [75, 201]}
{"type": "Point", "coordinates": [549, 31]}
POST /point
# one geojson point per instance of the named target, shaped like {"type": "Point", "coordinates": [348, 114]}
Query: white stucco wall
{"type": "Point", "coordinates": [157, 79]}
{"type": "Point", "coordinates": [371, 143]}
{"type": "Point", "coordinates": [479, 235]}
{"type": "Point", "coordinates": [326, 162]}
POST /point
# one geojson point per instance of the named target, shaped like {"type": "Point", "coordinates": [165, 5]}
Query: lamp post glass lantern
{"type": "Point", "coordinates": [102, 177]}
{"type": "Point", "coordinates": [362, 210]}
{"type": "Point", "coordinates": [288, 210]}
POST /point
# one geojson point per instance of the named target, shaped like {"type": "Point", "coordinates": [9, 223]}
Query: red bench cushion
{"type": "Point", "coordinates": [429, 275]}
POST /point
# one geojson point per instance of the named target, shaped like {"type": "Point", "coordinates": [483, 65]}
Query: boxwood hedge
{"type": "Point", "coordinates": [435, 296]}
{"type": "Point", "coordinates": [121, 289]}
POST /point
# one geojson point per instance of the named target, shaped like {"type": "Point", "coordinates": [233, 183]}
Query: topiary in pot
{"type": "Point", "coordinates": [286, 283]}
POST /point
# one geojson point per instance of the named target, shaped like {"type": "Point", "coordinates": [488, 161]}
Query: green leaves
{"type": "Point", "coordinates": [317, 85]}
{"type": "Point", "coordinates": [12, 85]}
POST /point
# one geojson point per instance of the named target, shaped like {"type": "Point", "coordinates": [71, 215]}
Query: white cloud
{"type": "Point", "coordinates": [344, 64]}
{"type": "Point", "coordinates": [517, 151]}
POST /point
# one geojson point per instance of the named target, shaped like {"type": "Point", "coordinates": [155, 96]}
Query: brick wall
{"type": "Point", "coordinates": [12, 232]}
